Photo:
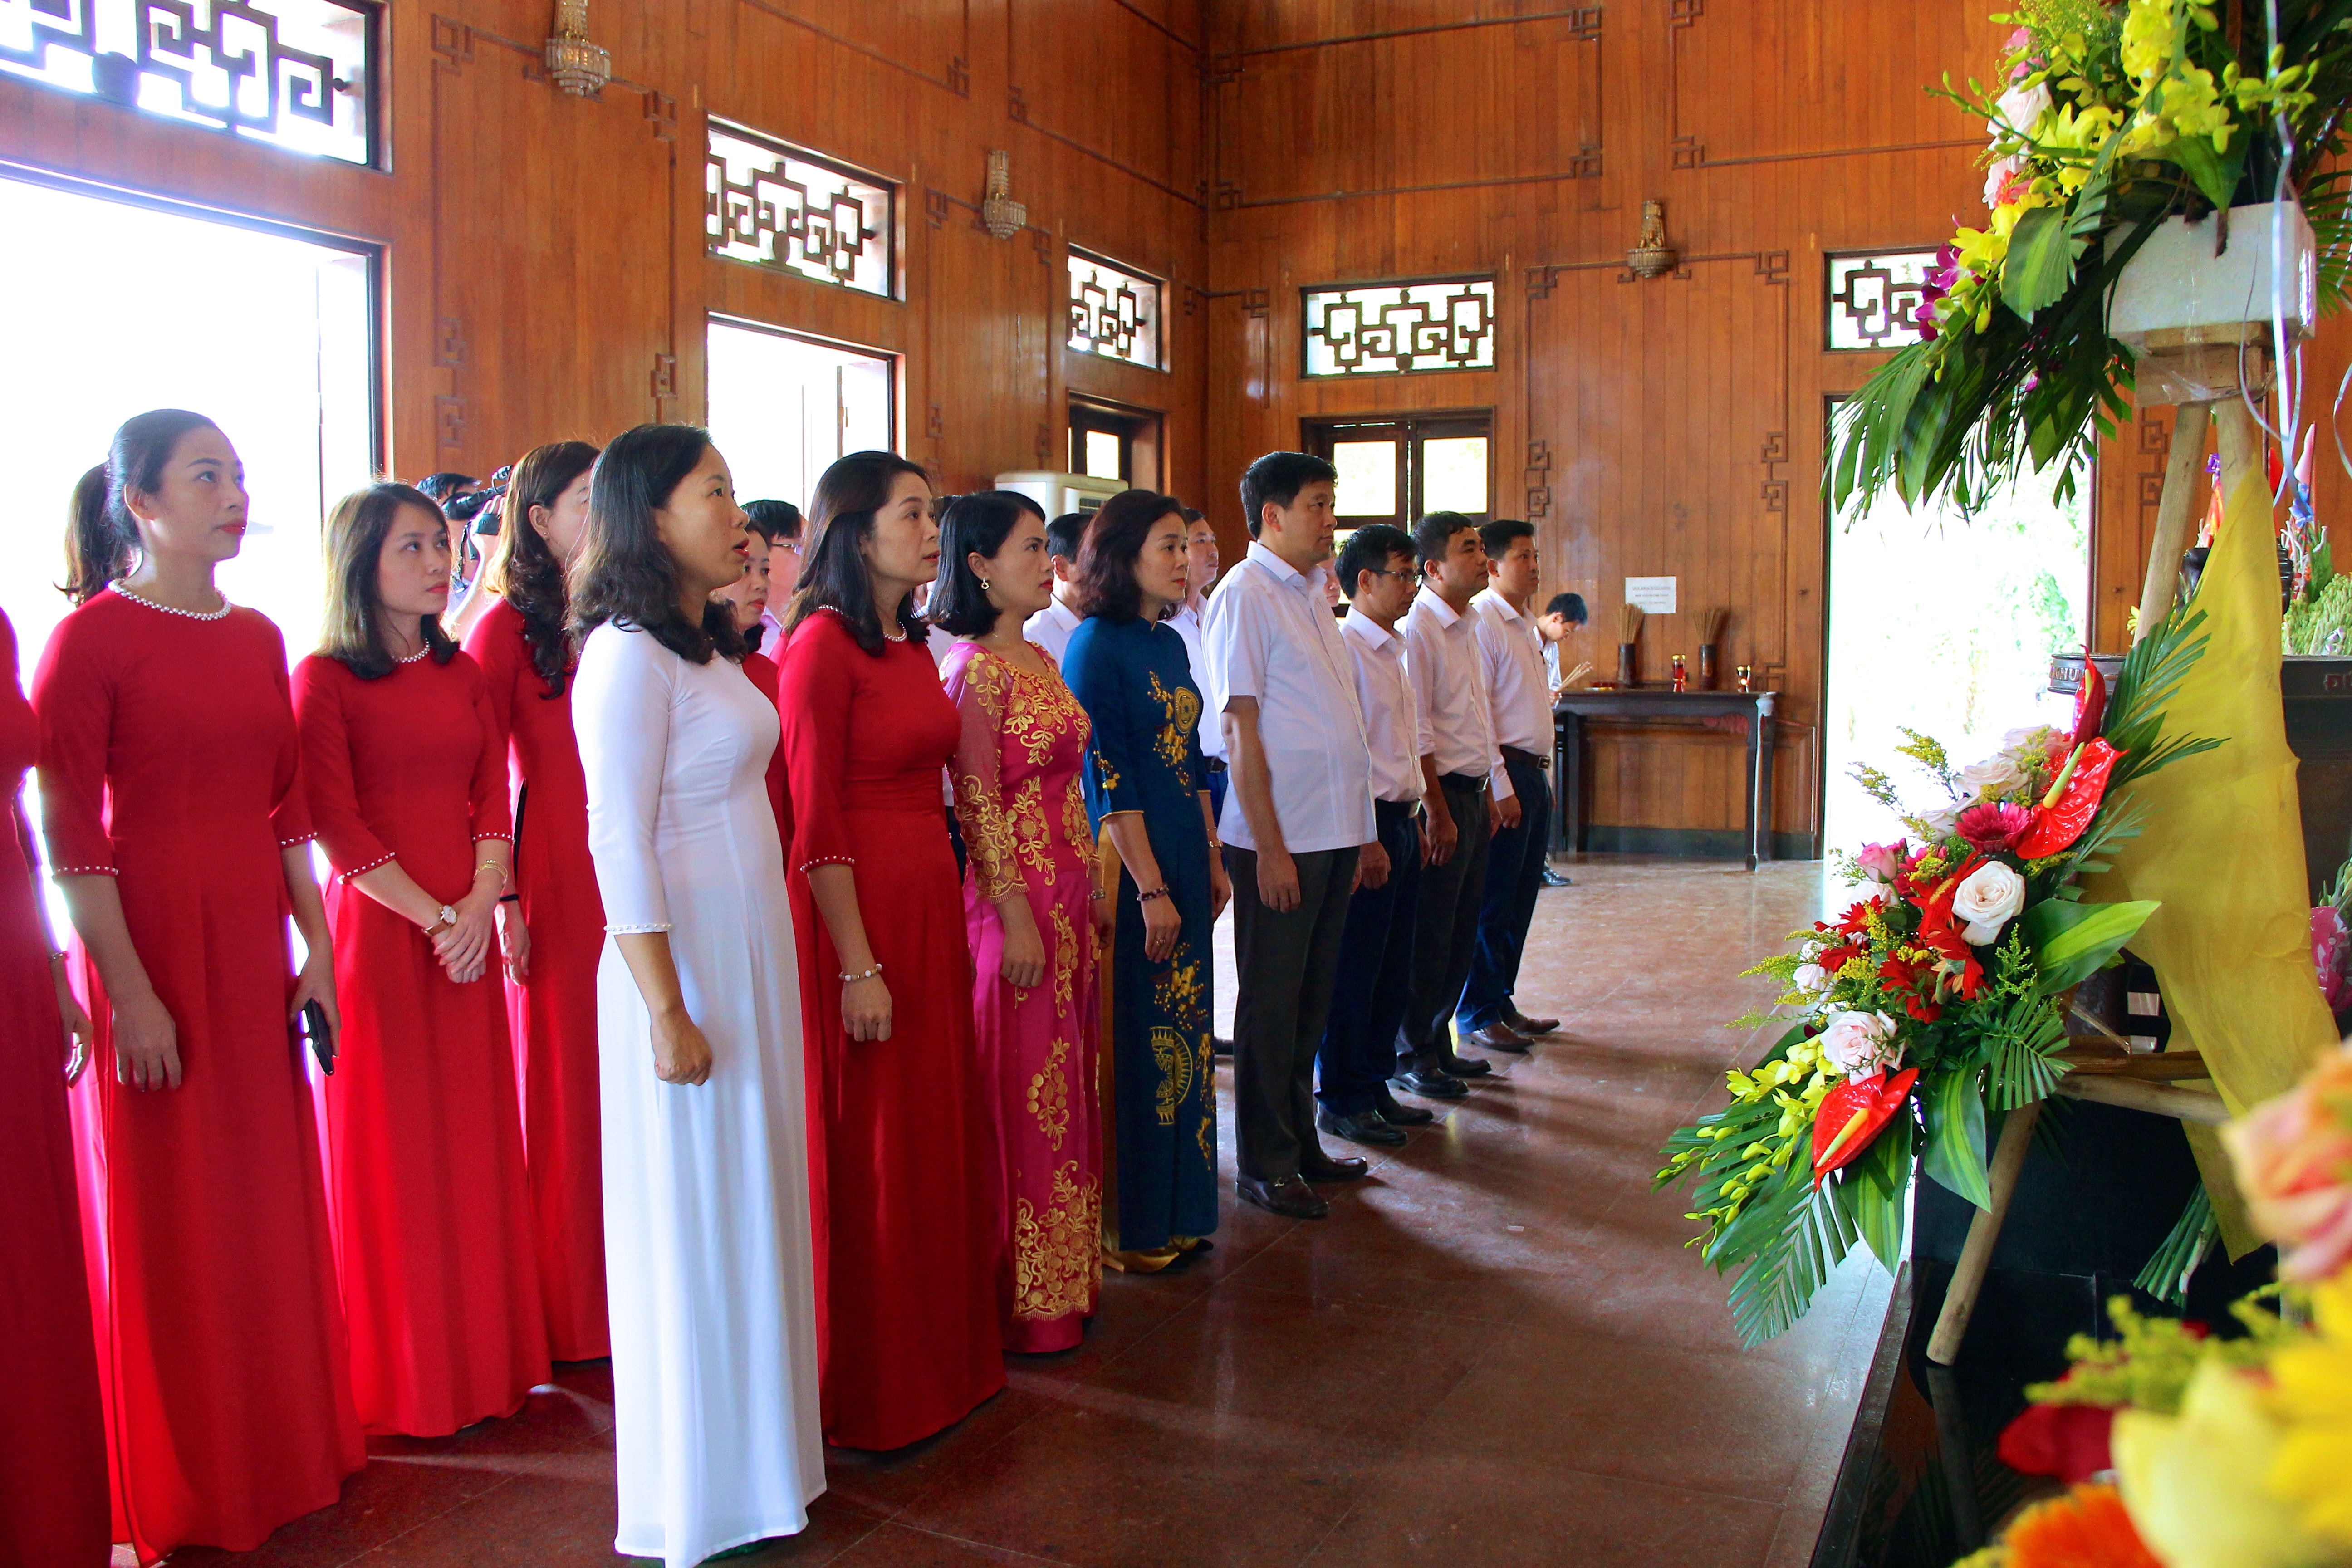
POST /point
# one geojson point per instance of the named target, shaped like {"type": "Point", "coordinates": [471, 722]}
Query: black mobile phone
{"type": "Point", "coordinates": [321, 1035]}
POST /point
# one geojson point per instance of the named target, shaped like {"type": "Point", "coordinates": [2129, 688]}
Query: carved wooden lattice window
{"type": "Point", "coordinates": [1874, 298]}
{"type": "Point", "coordinates": [774, 206]}
{"type": "Point", "coordinates": [1114, 312]}
{"type": "Point", "coordinates": [297, 74]}
{"type": "Point", "coordinates": [1384, 329]}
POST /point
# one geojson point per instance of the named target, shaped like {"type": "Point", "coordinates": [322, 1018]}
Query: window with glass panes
{"type": "Point", "coordinates": [1396, 468]}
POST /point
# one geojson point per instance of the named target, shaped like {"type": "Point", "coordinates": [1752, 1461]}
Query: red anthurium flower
{"type": "Point", "coordinates": [2074, 799]}
{"type": "Point", "coordinates": [1852, 1115]}
{"type": "Point", "coordinates": [2091, 702]}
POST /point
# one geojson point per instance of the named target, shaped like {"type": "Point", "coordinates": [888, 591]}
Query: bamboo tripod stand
{"type": "Point", "coordinates": [2137, 1082]}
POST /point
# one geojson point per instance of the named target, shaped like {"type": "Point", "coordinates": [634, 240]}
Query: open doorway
{"type": "Point", "coordinates": [1945, 624]}
{"type": "Point", "coordinates": [782, 407]}
{"type": "Point", "coordinates": [1113, 441]}
{"type": "Point", "coordinates": [119, 306]}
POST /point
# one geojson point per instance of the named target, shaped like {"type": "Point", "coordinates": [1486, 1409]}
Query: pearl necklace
{"type": "Point", "coordinates": [221, 614]}
{"type": "Point", "coordinates": [413, 658]}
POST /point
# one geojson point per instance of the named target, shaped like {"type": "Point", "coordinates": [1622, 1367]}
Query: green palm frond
{"type": "Point", "coordinates": [1806, 1232]}
{"type": "Point", "coordinates": [2151, 676]}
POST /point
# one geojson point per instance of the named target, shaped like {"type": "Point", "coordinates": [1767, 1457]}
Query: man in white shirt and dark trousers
{"type": "Point", "coordinates": [1050, 627]}
{"type": "Point", "coordinates": [1461, 767]}
{"type": "Point", "coordinates": [1358, 1053]}
{"type": "Point", "coordinates": [1297, 825]}
{"type": "Point", "coordinates": [1511, 649]}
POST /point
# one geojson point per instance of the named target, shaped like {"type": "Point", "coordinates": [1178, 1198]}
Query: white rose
{"type": "Point", "coordinates": [1941, 822]}
{"type": "Point", "coordinates": [1859, 1044]}
{"type": "Point", "coordinates": [2023, 107]}
{"type": "Point", "coordinates": [1811, 977]}
{"type": "Point", "coordinates": [1987, 901]}
{"type": "Point", "coordinates": [1994, 777]}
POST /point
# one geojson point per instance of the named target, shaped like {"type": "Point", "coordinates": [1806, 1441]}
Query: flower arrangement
{"type": "Point", "coordinates": [2106, 119]}
{"type": "Point", "coordinates": [2223, 1453]}
{"type": "Point", "coordinates": [1937, 996]}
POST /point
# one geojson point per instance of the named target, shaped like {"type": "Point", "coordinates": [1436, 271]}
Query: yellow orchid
{"type": "Point", "coordinates": [2195, 1482]}
{"type": "Point", "coordinates": [2311, 1395]}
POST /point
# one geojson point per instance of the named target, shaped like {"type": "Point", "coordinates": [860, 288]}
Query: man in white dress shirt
{"type": "Point", "coordinates": [1510, 647]}
{"type": "Point", "coordinates": [1200, 571]}
{"type": "Point", "coordinates": [1298, 825]}
{"type": "Point", "coordinates": [1368, 1000]}
{"type": "Point", "coordinates": [1466, 796]}
{"type": "Point", "coordinates": [1050, 627]}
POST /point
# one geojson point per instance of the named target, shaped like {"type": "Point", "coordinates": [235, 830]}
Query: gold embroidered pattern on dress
{"type": "Point", "coordinates": [1174, 1059]}
{"type": "Point", "coordinates": [1037, 710]}
{"type": "Point", "coordinates": [1058, 1256]}
{"type": "Point", "coordinates": [988, 837]}
{"type": "Point", "coordinates": [1049, 1096]}
{"type": "Point", "coordinates": [1178, 993]}
{"type": "Point", "coordinates": [1065, 963]}
{"type": "Point", "coordinates": [1205, 1132]}
{"type": "Point", "coordinates": [1180, 711]}
{"type": "Point", "coordinates": [1033, 838]}
{"type": "Point", "coordinates": [1077, 825]}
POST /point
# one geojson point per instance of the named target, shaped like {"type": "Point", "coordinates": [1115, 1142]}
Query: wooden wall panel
{"type": "Point", "coordinates": [1307, 121]}
{"type": "Point", "coordinates": [552, 274]}
{"type": "Point", "coordinates": [1751, 83]}
{"type": "Point", "coordinates": [1674, 427]}
{"type": "Point", "coordinates": [544, 263]}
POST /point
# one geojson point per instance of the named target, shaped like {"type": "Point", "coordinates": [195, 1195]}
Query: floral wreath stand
{"type": "Point", "coordinates": [2201, 366]}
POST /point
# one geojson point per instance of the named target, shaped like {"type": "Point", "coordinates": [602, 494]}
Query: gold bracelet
{"type": "Point", "coordinates": [491, 866]}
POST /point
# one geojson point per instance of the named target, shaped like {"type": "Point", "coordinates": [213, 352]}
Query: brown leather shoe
{"type": "Point", "coordinates": [1316, 1166]}
{"type": "Point", "coordinates": [1288, 1197]}
{"type": "Point", "coordinates": [1497, 1037]}
{"type": "Point", "coordinates": [1530, 1026]}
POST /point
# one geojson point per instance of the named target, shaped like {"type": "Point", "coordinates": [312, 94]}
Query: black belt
{"type": "Point", "coordinates": [1464, 781]}
{"type": "Point", "coordinates": [1389, 810]}
{"type": "Point", "coordinates": [1216, 764]}
{"type": "Point", "coordinates": [1513, 754]}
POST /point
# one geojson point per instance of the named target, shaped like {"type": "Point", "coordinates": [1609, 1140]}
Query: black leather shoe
{"type": "Point", "coordinates": [1552, 879]}
{"type": "Point", "coordinates": [1221, 1045]}
{"type": "Point", "coordinates": [1289, 1196]}
{"type": "Point", "coordinates": [1463, 1067]}
{"type": "Point", "coordinates": [1530, 1026]}
{"type": "Point", "coordinates": [1397, 1115]}
{"type": "Point", "coordinates": [1316, 1166]}
{"type": "Point", "coordinates": [1429, 1085]}
{"type": "Point", "coordinates": [1370, 1127]}
{"type": "Point", "coordinates": [1496, 1037]}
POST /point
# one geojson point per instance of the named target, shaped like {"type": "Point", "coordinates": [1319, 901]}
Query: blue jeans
{"type": "Point", "coordinates": [1368, 999]}
{"type": "Point", "coordinates": [1515, 868]}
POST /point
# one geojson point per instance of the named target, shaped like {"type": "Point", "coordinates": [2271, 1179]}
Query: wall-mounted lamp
{"type": "Point", "coordinates": [999, 213]}
{"type": "Point", "coordinates": [579, 67]}
{"type": "Point", "coordinates": [1651, 256]}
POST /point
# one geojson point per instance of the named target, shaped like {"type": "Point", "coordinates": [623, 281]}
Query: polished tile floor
{"type": "Point", "coordinates": [1493, 1351]}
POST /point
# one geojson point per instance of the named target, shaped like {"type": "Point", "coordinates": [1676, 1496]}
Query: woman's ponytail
{"type": "Point", "coordinates": [94, 552]}
{"type": "Point", "coordinates": [101, 536]}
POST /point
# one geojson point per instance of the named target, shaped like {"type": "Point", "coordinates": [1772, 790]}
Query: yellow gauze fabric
{"type": "Point", "coordinates": [2223, 851]}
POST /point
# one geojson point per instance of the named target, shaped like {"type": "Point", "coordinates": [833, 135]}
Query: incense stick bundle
{"type": "Point", "coordinates": [1629, 623]}
{"type": "Point", "coordinates": [1628, 636]}
{"type": "Point", "coordinates": [1710, 651]}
